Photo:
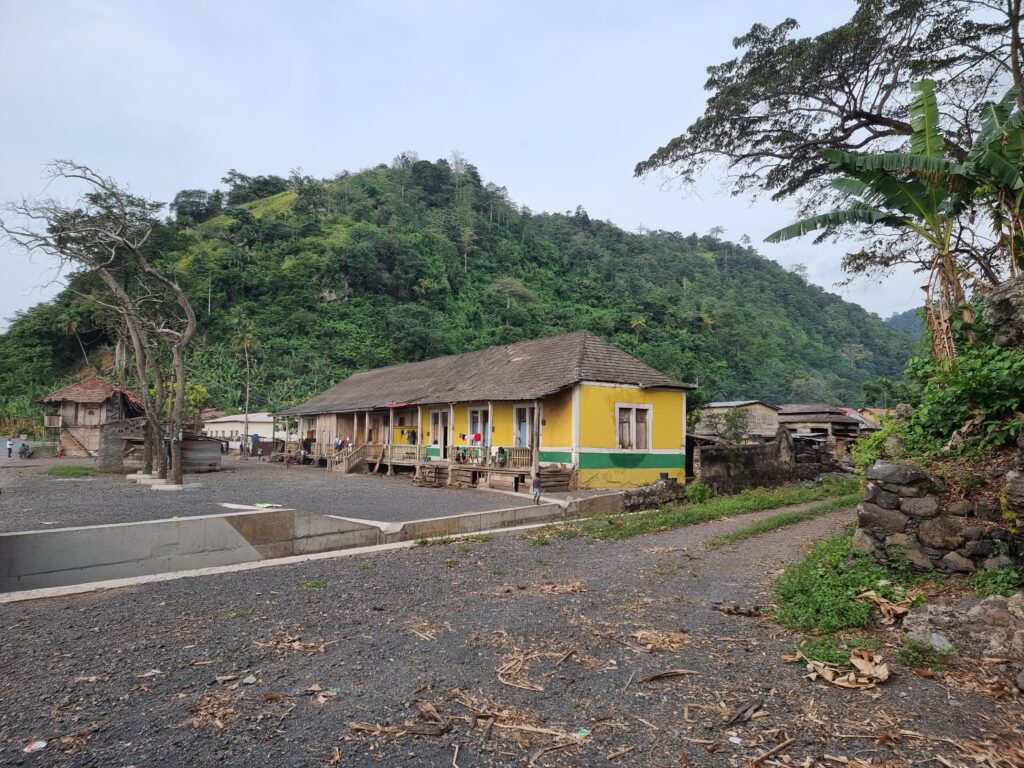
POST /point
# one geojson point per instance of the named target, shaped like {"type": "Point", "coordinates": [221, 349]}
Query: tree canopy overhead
{"type": "Point", "coordinates": [784, 98]}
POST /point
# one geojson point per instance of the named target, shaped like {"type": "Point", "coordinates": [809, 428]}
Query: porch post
{"type": "Point", "coordinates": [535, 438]}
{"type": "Point", "coordinates": [391, 431]}
{"type": "Point", "coordinates": [451, 443]}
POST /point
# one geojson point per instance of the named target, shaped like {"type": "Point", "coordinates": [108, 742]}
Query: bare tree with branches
{"type": "Point", "coordinates": [107, 232]}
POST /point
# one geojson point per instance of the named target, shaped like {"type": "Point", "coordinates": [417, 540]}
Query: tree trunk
{"type": "Point", "coordinates": [246, 442]}
{"type": "Point", "coordinates": [177, 411]}
{"type": "Point", "coordinates": [155, 414]}
{"type": "Point", "coordinates": [178, 361]}
{"type": "Point", "coordinates": [147, 449]}
{"type": "Point", "coordinates": [143, 361]}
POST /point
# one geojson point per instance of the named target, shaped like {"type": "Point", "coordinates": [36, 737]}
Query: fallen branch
{"type": "Point", "coordinates": [544, 750]}
{"type": "Point", "coordinates": [621, 753]}
{"type": "Point", "coordinates": [756, 761]}
{"type": "Point", "coordinates": [668, 673]}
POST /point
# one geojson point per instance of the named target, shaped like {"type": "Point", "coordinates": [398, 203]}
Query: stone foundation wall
{"type": "Point", "coordinates": [732, 468]}
{"type": "Point", "coordinates": [653, 495]}
{"type": "Point", "coordinates": [904, 515]}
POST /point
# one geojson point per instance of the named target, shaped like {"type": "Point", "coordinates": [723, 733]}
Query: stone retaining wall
{"type": "Point", "coordinates": [732, 468]}
{"type": "Point", "coordinates": [905, 515]}
{"type": "Point", "coordinates": [654, 495]}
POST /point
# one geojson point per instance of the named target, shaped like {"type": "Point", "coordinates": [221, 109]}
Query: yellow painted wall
{"type": "Point", "coordinates": [556, 432]}
{"type": "Point", "coordinates": [461, 422]}
{"type": "Point", "coordinates": [502, 434]}
{"type": "Point", "coordinates": [598, 425]}
{"type": "Point", "coordinates": [624, 478]}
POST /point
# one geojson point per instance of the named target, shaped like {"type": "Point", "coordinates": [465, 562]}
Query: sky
{"type": "Point", "coordinates": [557, 101]}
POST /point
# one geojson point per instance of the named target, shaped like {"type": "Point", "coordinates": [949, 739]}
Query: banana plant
{"type": "Point", "coordinates": [995, 163]}
{"type": "Point", "coordinates": [922, 191]}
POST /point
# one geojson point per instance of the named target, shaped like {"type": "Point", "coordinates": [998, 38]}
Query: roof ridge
{"type": "Point", "coordinates": [581, 351]}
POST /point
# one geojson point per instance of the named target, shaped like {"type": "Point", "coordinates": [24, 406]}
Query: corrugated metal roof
{"type": "Point", "coordinates": [524, 371]}
{"type": "Point", "coordinates": [253, 417]}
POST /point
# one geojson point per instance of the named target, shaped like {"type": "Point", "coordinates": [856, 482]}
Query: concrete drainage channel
{"type": "Point", "coordinates": [34, 560]}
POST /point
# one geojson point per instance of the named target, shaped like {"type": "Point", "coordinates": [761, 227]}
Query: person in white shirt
{"type": "Point", "coordinates": [10, 447]}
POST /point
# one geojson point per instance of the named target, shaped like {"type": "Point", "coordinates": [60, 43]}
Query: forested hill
{"type": "Point", "coordinates": [414, 260]}
{"type": "Point", "coordinates": [910, 322]}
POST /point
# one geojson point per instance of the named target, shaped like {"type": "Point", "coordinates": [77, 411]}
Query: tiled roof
{"type": "Point", "coordinates": [738, 404]}
{"type": "Point", "coordinates": [794, 408]}
{"type": "Point", "coordinates": [815, 413]}
{"type": "Point", "coordinates": [93, 389]}
{"type": "Point", "coordinates": [523, 371]}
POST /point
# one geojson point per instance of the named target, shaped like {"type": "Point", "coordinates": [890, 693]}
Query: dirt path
{"type": "Point", "coordinates": [160, 674]}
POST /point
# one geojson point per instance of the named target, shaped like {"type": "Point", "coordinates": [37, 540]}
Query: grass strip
{"type": "Point", "coordinates": [611, 527]}
{"type": "Point", "coordinates": [821, 592]}
{"type": "Point", "coordinates": [71, 470]}
{"type": "Point", "coordinates": [783, 519]}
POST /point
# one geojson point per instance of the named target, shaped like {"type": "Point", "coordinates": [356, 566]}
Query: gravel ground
{"type": "Point", "coordinates": [216, 670]}
{"type": "Point", "coordinates": [30, 499]}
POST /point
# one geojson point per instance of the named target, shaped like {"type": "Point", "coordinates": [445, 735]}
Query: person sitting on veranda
{"type": "Point", "coordinates": [501, 457]}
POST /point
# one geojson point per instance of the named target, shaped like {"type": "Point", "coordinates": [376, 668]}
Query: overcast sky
{"type": "Point", "coordinates": [555, 100]}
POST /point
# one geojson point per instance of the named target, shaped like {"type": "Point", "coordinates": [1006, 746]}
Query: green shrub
{"type": "Point", "coordinates": [998, 581]}
{"type": "Point", "coordinates": [820, 592]}
{"type": "Point", "coordinates": [698, 491]}
{"type": "Point", "coordinates": [831, 649]}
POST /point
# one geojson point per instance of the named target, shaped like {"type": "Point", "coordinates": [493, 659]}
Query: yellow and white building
{"type": "Point", "coordinates": [572, 401]}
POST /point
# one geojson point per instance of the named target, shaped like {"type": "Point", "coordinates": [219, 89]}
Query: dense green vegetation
{"type": "Point", "coordinates": [969, 404]}
{"type": "Point", "coordinates": [821, 591]}
{"type": "Point", "coordinates": [418, 259]}
{"type": "Point", "coordinates": [910, 322]}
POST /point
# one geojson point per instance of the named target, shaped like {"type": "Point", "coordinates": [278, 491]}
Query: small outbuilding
{"type": "Point", "coordinates": [762, 418]}
{"type": "Point", "coordinates": [80, 412]}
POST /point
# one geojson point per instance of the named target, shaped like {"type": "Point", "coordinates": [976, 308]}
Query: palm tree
{"type": "Point", "coordinates": [245, 339]}
{"type": "Point", "coordinates": [70, 326]}
{"type": "Point", "coordinates": [637, 324]}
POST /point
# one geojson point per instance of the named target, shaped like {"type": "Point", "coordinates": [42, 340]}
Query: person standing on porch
{"type": "Point", "coordinates": [536, 489]}
{"type": "Point", "coordinates": [10, 447]}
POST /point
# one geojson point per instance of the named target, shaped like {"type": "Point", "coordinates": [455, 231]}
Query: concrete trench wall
{"type": "Point", "coordinates": [53, 558]}
{"type": "Point", "coordinates": [35, 559]}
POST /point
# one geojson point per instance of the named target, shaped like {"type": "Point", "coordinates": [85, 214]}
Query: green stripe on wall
{"type": "Point", "coordinates": [632, 460]}
{"type": "Point", "coordinates": [559, 457]}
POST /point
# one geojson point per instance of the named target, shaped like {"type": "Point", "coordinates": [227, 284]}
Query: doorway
{"type": "Point", "coordinates": [523, 419]}
{"type": "Point", "coordinates": [439, 431]}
